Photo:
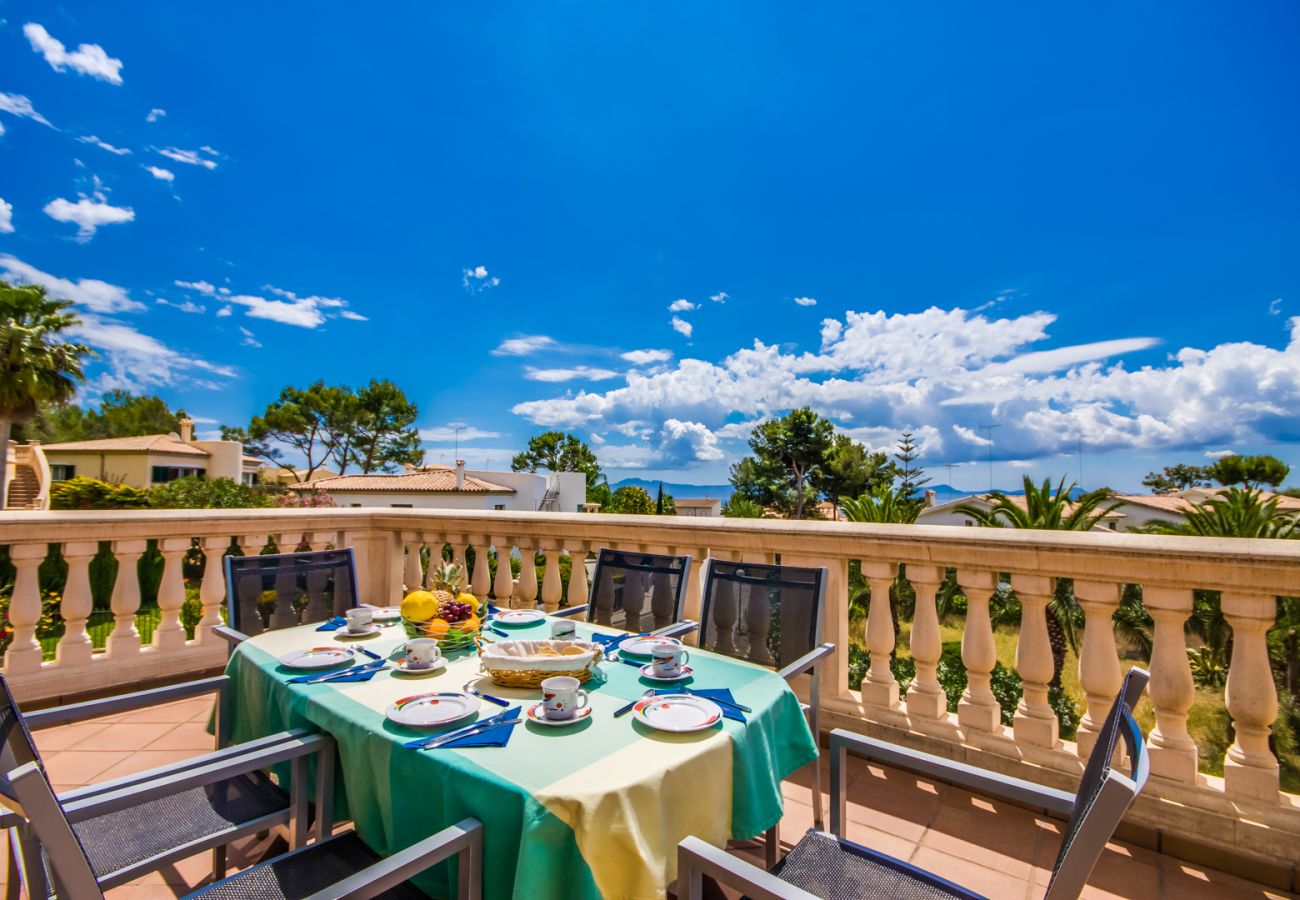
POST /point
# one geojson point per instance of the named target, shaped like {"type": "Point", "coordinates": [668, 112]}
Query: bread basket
{"type": "Point", "coordinates": [529, 663]}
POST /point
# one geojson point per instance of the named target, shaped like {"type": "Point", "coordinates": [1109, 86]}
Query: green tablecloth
{"type": "Point", "coordinates": [595, 810]}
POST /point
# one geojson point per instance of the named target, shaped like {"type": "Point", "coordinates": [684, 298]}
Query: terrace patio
{"type": "Point", "coordinates": [1212, 830]}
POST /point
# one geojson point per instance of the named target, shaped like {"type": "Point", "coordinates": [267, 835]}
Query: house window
{"type": "Point", "coordinates": [499, 507]}
{"type": "Point", "coordinates": [354, 505]}
{"type": "Point", "coordinates": [401, 505]}
{"type": "Point", "coordinates": [62, 472]}
{"type": "Point", "coordinates": [162, 474]}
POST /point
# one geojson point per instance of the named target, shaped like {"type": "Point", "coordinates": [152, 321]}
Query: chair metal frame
{"type": "Point", "coordinates": [678, 627]}
{"type": "Point", "coordinates": [306, 558]}
{"type": "Point", "coordinates": [91, 801]}
{"type": "Point", "coordinates": [1082, 846]}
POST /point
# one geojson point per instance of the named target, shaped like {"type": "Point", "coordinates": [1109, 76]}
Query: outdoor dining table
{"type": "Point", "coordinates": [588, 811]}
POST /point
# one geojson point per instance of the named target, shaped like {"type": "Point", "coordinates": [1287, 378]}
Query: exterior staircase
{"type": "Point", "coordinates": [24, 488]}
{"type": "Point", "coordinates": [550, 501]}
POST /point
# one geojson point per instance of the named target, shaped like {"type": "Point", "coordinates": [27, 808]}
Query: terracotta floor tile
{"type": "Point", "coordinates": [995, 835]}
{"type": "Point", "coordinates": [903, 814]}
{"type": "Point", "coordinates": [141, 760]}
{"type": "Point", "coordinates": [972, 875]}
{"type": "Point", "coordinates": [1187, 881]}
{"type": "Point", "coordinates": [170, 713]}
{"type": "Point", "coordinates": [186, 736]}
{"type": "Point", "coordinates": [880, 841]}
{"type": "Point", "coordinates": [122, 736]}
{"type": "Point", "coordinates": [81, 767]}
{"type": "Point", "coordinates": [49, 740]}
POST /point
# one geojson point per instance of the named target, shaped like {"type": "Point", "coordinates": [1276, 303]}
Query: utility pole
{"type": "Point", "coordinates": [1080, 462]}
{"type": "Point", "coordinates": [989, 429]}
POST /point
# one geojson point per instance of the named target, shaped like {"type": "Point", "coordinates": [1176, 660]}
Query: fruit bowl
{"type": "Point", "coordinates": [456, 636]}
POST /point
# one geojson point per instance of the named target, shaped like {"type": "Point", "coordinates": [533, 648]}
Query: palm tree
{"type": "Point", "coordinates": [883, 505]}
{"type": "Point", "coordinates": [1046, 509]}
{"type": "Point", "coordinates": [35, 366]}
{"type": "Point", "coordinates": [1237, 512]}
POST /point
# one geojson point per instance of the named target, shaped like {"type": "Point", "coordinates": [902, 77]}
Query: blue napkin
{"type": "Point", "coordinates": [356, 673]}
{"type": "Point", "coordinates": [333, 624]}
{"type": "Point", "coordinates": [608, 641]}
{"type": "Point", "coordinates": [712, 694]}
{"type": "Point", "coordinates": [498, 737]}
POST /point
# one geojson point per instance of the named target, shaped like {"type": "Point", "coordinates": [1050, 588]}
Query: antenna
{"type": "Point", "coordinates": [458, 429]}
{"type": "Point", "coordinates": [989, 429]}
{"type": "Point", "coordinates": [952, 488]}
{"type": "Point", "coordinates": [1081, 461]}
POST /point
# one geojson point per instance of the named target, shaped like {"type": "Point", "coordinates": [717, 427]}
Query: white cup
{"type": "Point", "coordinates": [359, 619]}
{"type": "Point", "coordinates": [422, 653]}
{"type": "Point", "coordinates": [668, 659]}
{"type": "Point", "coordinates": [562, 697]}
{"type": "Point", "coordinates": [563, 630]}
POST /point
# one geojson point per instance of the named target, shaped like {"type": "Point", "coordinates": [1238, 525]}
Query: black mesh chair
{"type": "Point", "coordinates": [281, 590]}
{"type": "Point", "coordinates": [339, 866]}
{"type": "Point", "coordinates": [638, 592]}
{"type": "Point", "coordinates": [770, 615]}
{"type": "Point", "coordinates": [824, 864]}
{"type": "Point", "coordinates": [131, 826]}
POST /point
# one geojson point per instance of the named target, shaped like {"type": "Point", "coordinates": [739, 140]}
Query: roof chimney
{"type": "Point", "coordinates": [930, 498]}
{"type": "Point", "coordinates": [187, 430]}
{"type": "Point", "coordinates": [460, 474]}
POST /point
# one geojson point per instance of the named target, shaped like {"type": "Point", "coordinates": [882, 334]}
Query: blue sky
{"type": "Point", "coordinates": [1076, 225]}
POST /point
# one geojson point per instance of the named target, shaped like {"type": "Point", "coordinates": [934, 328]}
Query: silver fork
{"type": "Point", "coordinates": [624, 710]}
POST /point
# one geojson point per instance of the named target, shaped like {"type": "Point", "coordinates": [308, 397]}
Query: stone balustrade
{"type": "Point", "coordinates": [1244, 809]}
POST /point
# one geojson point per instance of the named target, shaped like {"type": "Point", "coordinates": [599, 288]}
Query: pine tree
{"type": "Point", "coordinates": [911, 477]}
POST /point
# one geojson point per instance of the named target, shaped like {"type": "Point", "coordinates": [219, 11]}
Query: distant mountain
{"type": "Point", "coordinates": [685, 491]}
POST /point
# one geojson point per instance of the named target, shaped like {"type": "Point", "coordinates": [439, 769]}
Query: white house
{"type": "Point", "coordinates": [702, 507]}
{"type": "Point", "coordinates": [949, 514]}
{"type": "Point", "coordinates": [445, 487]}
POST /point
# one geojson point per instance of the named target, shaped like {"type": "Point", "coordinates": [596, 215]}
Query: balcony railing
{"type": "Point", "coordinates": [1243, 811]}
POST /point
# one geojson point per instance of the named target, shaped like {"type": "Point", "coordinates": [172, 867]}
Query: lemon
{"type": "Point", "coordinates": [469, 600]}
{"type": "Point", "coordinates": [419, 606]}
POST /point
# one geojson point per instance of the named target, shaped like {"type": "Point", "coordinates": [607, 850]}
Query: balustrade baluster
{"type": "Point", "coordinates": [526, 588]}
{"type": "Point", "coordinates": [458, 557]}
{"type": "Point", "coordinates": [552, 584]}
{"type": "Point", "coordinates": [169, 636]}
{"type": "Point", "coordinates": [1251, 769]}
{"type": "Point", "coordinates": [285, 615]}
{"type": "Point", "coordinates": [1172, 691]}
{"type": "Point", "coordinates": [1035, 722]}
{"type": "Point", "coordinates": [926, 698]}
{"type": "Point", "coordinates": [725, 612]}
{"type": "Point", "coordinates": [978, 709]}
{"type": "Point", "coordinates": [758, 619]}
{"type": "Point", "coordinates": [662, 599]}
{"type": "Point", "coordinates": [504, 585]}
{"type": "Point", "coordinates": [24, 651]}
{"type": "Point", "coordinates": [1099, 669]}
{"type": "Point", "coordinates": [880, 688]}
{"type": "Point", "coordinates": [634, 594]}
{"type": "Point", "coordinates": [74, 647]}
{"type": "Point", "coordinates": [125, 640]}
{"type": "Point", "coordinates": [481, 578]}
{"type": "Point", "coordinates": [578, 588]}
{"type": "Point", "coordinates": [413, 570]}
{"type": "Point", "coordinates": [212, 590]}
{"type": "Point", "coordinates": [248, 590]}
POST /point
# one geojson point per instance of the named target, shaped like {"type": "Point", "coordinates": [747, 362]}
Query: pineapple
{"type": "Point", "coordinates": [446, 588]}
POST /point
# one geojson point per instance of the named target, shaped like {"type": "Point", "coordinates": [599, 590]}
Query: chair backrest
{"type": "Point", "coordinates": [637, 591]}
{"type": "Point", "coordinates": [1105, 794]}
{"type": "Point", "coordinates": [73, 875]}
{"type": "Point", "coordinates": [768, 614]}
{"type": "Point", "coordinates": [281, 590]}
{"type": "Point", "coordinates": [16, 745]}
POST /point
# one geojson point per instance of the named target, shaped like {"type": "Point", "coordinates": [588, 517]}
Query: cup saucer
{"type": "Point", "coordinates": [648, 673]}
{"type": "Point", "coordinates": [400, 667]}
{"type": "Point", "coordinates": [537, 713]}
{"type": "Point", "coordinates": [371, 630]}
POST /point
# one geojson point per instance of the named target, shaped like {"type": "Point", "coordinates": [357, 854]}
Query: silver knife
{"type": "Point", "coordinates": [434, 743]}
{"type": "Point", "coordinates": [350, 670]}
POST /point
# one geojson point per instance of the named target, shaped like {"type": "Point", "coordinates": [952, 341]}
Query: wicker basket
{"type": "Point", "coordinates": [458, 638]}
{"type": "Point", "coordinates": [527, 664]}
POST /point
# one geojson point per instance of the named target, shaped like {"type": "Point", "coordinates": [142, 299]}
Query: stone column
{"type": "Point", "coordinates": [1251, 769]}
{"type": "Point", "coordinates": [125, 640]}
{"type": "Point", "coordinates": [880, 688]}
{"type": "Point", "coordinates": [212, 590]}
{"type": "Point", "coordinates": [481, 578]}
{"type": "Point", "coordinates": [412, 569]}
{"type": "Point", "coordinates": [504, 585]}
{"type": "Point", "coordinates": [526, 589]}
{"type": "Point", "coordinates": [926, 698]}
{"type": "Point", "coordinates": [169, 636]}
{"type": "Point", "coordinates": [1172, 691]}
{"type": "Point", "coordinates": [24, 652]}
{"type": "Point", "coordinates": [1035, 722]}
{"type": "Point", "coordinates": [578, 589]}
{"type": "Point", "coordinates": [75, 648]}
{"type": "Point", "coordinates": [978, 709]}
{"type": "Point", "coordinates": [1099, 669]}
{"type": "Point", "coordinates": [552, 584]}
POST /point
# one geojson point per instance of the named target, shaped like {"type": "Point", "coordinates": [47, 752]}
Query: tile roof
{"type": "Point", "coordinates": [434, 481]}
{"type": "Point", "coordinates": [143, 443]}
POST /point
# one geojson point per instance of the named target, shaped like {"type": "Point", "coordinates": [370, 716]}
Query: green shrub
{"type": "Point", "coordinates": [207, 493]}
{"type": "Point", "coordinates": [91, 493]}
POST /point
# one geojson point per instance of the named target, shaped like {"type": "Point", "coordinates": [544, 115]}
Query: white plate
{"type": "Point", "coordinates": [639, 646]}
{"type": "Point", "coordinates": [536, 713]}
{"type": "Point", "coordinates": [518, 617]}
{"type": "Point", "coordinates": [399, 665]}
{"type": "Point", "coordinates": [318, 658]}
{"type": "Point", "coordinates": [386, 613]}
{"type": "Point", "coordinates": [678, 712]}
{"type": "Point", "coordinates": [372, 629]}
{"type": "Point", "coordinates": [432, 710]}
{"type": "Point", "coordinates": [647, 672]}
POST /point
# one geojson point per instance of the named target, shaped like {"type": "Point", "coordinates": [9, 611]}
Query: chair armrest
{"type": "Point", "coordinates": [972, 778]}
{"type": "Point", "coordinates": [465, 837]}
{"type": "Point", "coordinates": [75, 712]}
{"type": "Point", "coordinates": [571, 610]}
{"type": "Point", "coordinates": [686, 626]}
{"type": "Point", "coordinates": [229, 635]}
{"type": "Point", "coordinates": [808, 661]}
{"type": "Point", "coordinates": [696, 859]}
{"type": "Point", "coordinates": [198, 773]}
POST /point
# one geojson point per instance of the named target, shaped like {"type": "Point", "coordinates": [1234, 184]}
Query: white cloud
{"type": "Point", "coordinates": [104, 145]}
{"type": "Point", "coordinates": [2, 129]}
{"type": "Point", "coordinates": [970, 436]}
{"type": "Point", "coordinates": [225, 311]}
{"type": "Point", "coordinates": [525, 345]}
{"type": "Point", "coordinates": [449, 433]}
{"type": "Point", "coordinates": [161, 174]}
{"type": "Point", "coordinates": [89, 293]}
{"type": "Point", "coordinates": [682, 327]}
{"type": "Point", "coordinates": [719, 297]}
{"type": "Point", "coordinates": [249, 339]}
{"type": "Point", "coordinates": [1275, 307]}
{"type": "Point", "coordinates": [805, 301]}
{"type": "Point", "coordinates": [88, 214]}
{"type": "Point", "coordinates": [6, 217]}
{"type": "Point", "coordinates": [587, 373]}
{"type": "Point", "coordinates": [354, 316]}
{"type": "Point", "coordinates": [647, 357]}
{"type": "Point", "coordinates": [154, 115]}
{"type": "Point", "coordinates": [1218, 454]}
{"type": "Point", "coordinates": [185, 306]}
{"type": "Point", "coordinates": [20, 106]}
{"type": "Point", "coordinates": [189, 157]}
{"type": "Point", "coordinates": [682, 305]}
{"type": "Point", "coordinates": [1020, 463]}
{"type": "Point", "coordinates": [303, 312]}
{"type": "Point", "coordinates": [203, 287]}
{"type": "Point", "coordinates": [87, 59]}
{"type": "Point", "coordinates": [675, 444]}
{"type": "Point", "coordinates": [477, 279]}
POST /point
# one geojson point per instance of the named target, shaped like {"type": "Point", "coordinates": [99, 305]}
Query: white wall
{"type": "Point", "coordinates": [226, 460]}
{"type": "Point", "coordinates": [422, 501]}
